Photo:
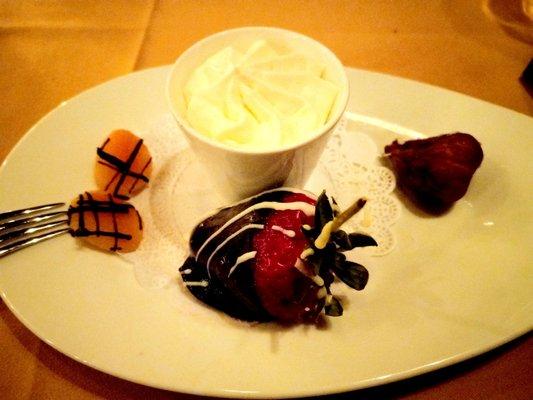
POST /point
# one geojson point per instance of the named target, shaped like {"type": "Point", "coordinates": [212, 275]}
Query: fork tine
{"type": "Point", "coordinates": [29, 226]}
{"type": "Point", "coordinates": [21, 244]}
{"type": "Point", "coordinates": [25, 230]}
{"type": "Point", "coordinates": [13, 223]}
{"type": "Point", "coordinates": [28, 211]}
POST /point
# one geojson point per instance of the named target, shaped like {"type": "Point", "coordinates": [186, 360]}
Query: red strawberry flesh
{"type": "Point", "coordinates": [284, 291]}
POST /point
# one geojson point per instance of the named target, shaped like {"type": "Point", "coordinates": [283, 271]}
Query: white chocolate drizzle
{"type": "Point", "coordinates": [279, 189]}
{"type": "Point", "coordinates": [367, 218]}
{"type": "Point", "coordinates": [233, 235]}
{"type": "Point", "coordinates": [287, 232]}
{"type": "Point", "coordinates": [322, 292]}
{"type": "Point", "coordinates": [306, 253]}
{"type": "Point", "coordinates": [242, 258]}
{"type": "Point", "coordinates": [199, 283]}
{"type": "Point", "coordinates": [322, 240]}
{"type": "Point", "coordinates": [307, 208]}
{"type": "Point", "coordinates": [317, 279]}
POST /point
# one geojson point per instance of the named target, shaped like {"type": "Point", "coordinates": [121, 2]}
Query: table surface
{"type": "Point", "coordinates": [53, 50]}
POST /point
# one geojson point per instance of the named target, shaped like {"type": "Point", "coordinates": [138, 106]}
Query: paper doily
{"type": "Point", "coordinates": [351, 164]}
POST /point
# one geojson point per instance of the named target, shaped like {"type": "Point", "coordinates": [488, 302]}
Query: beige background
{"type": "Point", "coordinates": [52, 50]}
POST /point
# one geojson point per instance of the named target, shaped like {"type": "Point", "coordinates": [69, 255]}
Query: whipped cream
{"type": "Point", "coordinates": [263, 98]}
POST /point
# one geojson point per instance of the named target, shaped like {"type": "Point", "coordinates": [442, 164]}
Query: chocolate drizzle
{"type": "Point", "coordinates": [87, 204]}
{"type": "Point", "coordinates": [209, 274]}
{"type": "Point", "coordinates": [123, 169]}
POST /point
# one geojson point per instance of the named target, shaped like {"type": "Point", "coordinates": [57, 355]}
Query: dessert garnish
{"type": "Point", "coordinates": [105, 222]}
{"type": "Point", "coordinates": [435, 172]}
{"type": "Point", "coordinates": [274, 256]}
{"type": "Point", "coordinates": [123, 165]}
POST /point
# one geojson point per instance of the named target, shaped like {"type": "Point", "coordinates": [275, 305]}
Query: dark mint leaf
{"type": "Point", "coordinates": [323, 212]}
{"type": "Point", "coordinates": [338, 262]}
{"type": "Point", "coordinates": [334, 309]}
{"type": "Point", "coordinates": [335, 208]}
{"type": "Point", "coordinates": [350, 241]}
{"type": "Point", "coordinates": [321, 266]}
{"type": "Point", "coordinates": [328, 278]}
{"type": "Point", "coordinates": [309, 233]}
{"type": "Point", "coordinates": [316, 261]}
{"type": "Point", "coordinates": [327, 258]}
{"type": "Point", "coordinates": [353, 274]}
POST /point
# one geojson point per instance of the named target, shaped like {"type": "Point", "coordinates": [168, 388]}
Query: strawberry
{"type": "Point", "coordinates": [435, 172]}
{"type": "Point", "coordinates": [285, 292]}
{"type": "Point", "coordinates": [248, 259]}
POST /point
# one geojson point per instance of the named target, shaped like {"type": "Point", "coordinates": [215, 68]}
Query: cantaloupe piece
{"type": "Point", "coordinates": [123, 165]}
{"type": "Point", "coordinates": [105, 222]}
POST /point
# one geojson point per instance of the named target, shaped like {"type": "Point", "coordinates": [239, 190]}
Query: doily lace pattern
{"type": "Point", "coordinates": [180, 195]}
{"type": "Point", "coordinates": [351, 161]}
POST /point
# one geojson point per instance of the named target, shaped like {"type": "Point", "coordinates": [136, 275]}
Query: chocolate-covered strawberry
{"type": "Point", "coordinates": [435, 172]}
{"type": "Point", "coordinates": [273, 257]}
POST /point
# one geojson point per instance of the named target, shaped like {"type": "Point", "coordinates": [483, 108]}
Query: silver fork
{"type": "Point", "coordinates": [22, 228]}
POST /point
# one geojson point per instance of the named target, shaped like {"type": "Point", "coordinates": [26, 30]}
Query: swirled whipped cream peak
{"type": "Point", "coordinates": [263, 98]}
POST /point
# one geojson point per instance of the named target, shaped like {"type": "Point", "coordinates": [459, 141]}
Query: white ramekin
{"type": "Point", "coordinates": [236, 172]}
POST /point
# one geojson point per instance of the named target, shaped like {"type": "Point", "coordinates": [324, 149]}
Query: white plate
{"type": "Point", "coordinates": [455, 286]}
